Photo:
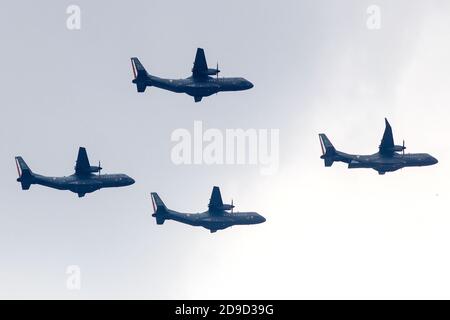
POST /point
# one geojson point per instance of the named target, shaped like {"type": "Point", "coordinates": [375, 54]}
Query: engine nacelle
{"type": "Point", "coordinates": [212, 72]}
{"type": "Point", "coordinates": [226, 207]}
{"type": "Point", "coordinates": [399, 148]}
{"type": "Point", "coordinates": [95, 169]}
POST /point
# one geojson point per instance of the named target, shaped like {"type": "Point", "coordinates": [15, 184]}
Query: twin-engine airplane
{"type": "Point", "coordinates": [200, 84]}
{"type": "Point", "coordinates": [385, 160]}
{"type": "Point", "coordinates": [81, 182]}
{"type": "Point", "coordinates": [219, 216]}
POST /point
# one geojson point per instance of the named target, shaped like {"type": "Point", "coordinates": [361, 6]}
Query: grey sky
{"type": "Point", "coordinates": [330, 232]}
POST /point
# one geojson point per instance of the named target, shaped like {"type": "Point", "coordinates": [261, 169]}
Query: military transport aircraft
{"type": "Point", "coordinates": [199, 85]}
{"type": "Point", "coordinates": [219, 215]}
{"type": "Point", "coordinates": [83, 181]}
{"type": "Point", "coordinates": [385, 160]}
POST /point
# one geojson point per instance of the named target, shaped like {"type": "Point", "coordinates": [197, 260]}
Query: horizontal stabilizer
{"type": "Point", "coordinates": [328, 162]}
{"type": "Point", "coordinates": [140, 87]}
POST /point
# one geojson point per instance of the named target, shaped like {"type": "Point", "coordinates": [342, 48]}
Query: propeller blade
{"type": "Point", "coordinates": [217, 68]}
{"type": "Point", "coordinates": [404, 147]}
{"type": "Point", "coordinates": [232, 206]}
{"type": "Point", "coordinates": [99, 167]}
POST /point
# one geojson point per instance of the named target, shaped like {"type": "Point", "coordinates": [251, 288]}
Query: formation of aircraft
{"type": "Point", "coordinates": [83, 181]}
{"type": "Point", "coordinates": [201, 83]}
{"type": "Point", "coordinates": [219, 216]}
{"type": "Point", "coordinates": [390, 157]}
{"type": "Point", "coordinates": [204, 82]}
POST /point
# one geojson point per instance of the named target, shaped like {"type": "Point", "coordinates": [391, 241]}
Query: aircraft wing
{"type": "Point", "coordinates": [387, 142]}
{"type": "Point", "coordinates": [200, 66]}
{"type": "Point", "coordinates": [82, 165]}
{"type": "Point", "coordinates": [216, 199]}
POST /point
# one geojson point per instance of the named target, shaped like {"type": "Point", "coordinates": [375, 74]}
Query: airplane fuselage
{"type": "Point", "coordinates": [198, 87]}
{"type": "Point", "coordinates": [385, 163]}
{"type": "Point", "coordinates": [214, 221]}
{"type": "Point", "coordinates": [390, 157]}
{"type": "Point", "coordinates": [82, 184]}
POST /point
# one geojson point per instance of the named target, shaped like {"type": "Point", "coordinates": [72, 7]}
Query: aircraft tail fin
{"type": "Point", "coordinates": [25, 173]}
{"type": "Point", "coordinates": [141, 76]}
{"type": "Point", "coordinates": [159, 208]}
{"type": "Point", "coordinates": [328, 150]}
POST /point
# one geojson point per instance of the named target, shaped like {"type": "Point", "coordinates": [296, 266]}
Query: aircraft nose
{"type": "Point", "coordinates": [131, 181]}
{"type": "Point", "coordinates": [434, 160]}
{"type": "Point", "coordinates": [261, 219]}
{"type": "Point", "coordinates": [249, 84]}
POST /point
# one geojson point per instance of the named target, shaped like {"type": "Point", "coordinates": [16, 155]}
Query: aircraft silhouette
{"type": "Point", "coordinates": [199, 85]}
{"type": "Point", "coordinates": [81, 182]}
{"type": "Point", "coordinates": [217, 217]}
{"type": "Point", "coordinates": [387, 159]}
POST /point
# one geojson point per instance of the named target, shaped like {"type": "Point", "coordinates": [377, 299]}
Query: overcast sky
{"type": "Point", "coordinates": [316, 67]}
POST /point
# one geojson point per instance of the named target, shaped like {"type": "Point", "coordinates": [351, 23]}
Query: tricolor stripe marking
{"type": "Point", "coordinates": [134, 68]}
{"type": "Point", "coordinates": [18, 168]}
{"type": "Point", "coordinates": [153, 204]}
{"type": "Point", "coordinates": [321, 145]}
